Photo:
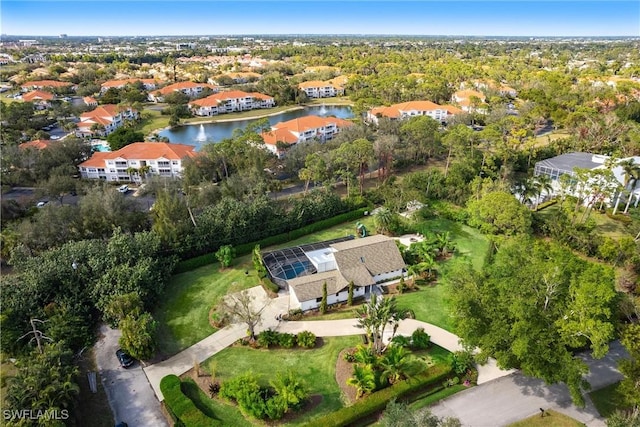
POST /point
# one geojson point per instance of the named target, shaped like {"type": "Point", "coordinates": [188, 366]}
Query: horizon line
{"type": "Point", "coordinates": [323, 35]}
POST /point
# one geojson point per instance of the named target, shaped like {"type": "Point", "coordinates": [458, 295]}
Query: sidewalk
{"type": "Point", "coordinates": [184, 361]}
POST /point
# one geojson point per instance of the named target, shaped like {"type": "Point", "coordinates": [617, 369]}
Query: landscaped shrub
{"type": "Point", "coordinates": [462, 361]}
{"type": "Point", "coordinates": [401, 340]}
{"type": "Point", "coordinates": [295, 314]}
{"type": "Point", "coordinates": [306, 339]}
{"type": "Point", "coordinates": [268, 338]}
{"type": "Point", "coordinates": [262, 402]}
{"type": "Point", "coordinates": [378, 400]}
{"type": "Point", "coordinates": [286, 340]}
{"type": "Point", "coordinates": [181, 406]}
{"type": "Point", "coordinates": [420, 339]}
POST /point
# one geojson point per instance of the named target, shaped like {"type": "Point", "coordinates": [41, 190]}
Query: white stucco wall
{"type": "Point", "coordinates": [387, 276]}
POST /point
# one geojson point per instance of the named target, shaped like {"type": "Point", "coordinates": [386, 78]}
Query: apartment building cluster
{"type": "Point", "coordinates": [229, 102]}
{"type": "Point", "coordinates": [405, 110]}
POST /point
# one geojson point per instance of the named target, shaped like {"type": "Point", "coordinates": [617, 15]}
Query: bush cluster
{"type": "Point", "coordinates": [378, 400]}
{"type": "Point", "coordinates": [180, 406]}
{"type": "Point", "coordinates": [246, 248]}
{"type": "Point", "coordinates": [269, 338]}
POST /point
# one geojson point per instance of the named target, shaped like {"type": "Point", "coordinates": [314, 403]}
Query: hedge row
{"type": "Point", "coordinates": [246, 248]}
{"type": "Point", "coordinates": [181, 406]}
{"type": "Point", "coordinates": [378, 400]}
{"type": "Point", "coordinates": [546, 204]}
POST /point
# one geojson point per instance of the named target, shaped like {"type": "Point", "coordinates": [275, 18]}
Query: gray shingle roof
{"type": "Point", "coordinates": [566, 162]}
{"type": "Point", "coordinates": [310, 287]}
{"type": "Point", "coordinates": [377, 254]}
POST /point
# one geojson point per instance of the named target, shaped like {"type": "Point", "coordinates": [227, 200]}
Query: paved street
{"type": "Point", "coordinates": [512, 398]}
{"type": "Point", "coordinates": [130, 396]}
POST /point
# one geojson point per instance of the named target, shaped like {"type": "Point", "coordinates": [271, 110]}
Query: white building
{"type": "Point", "coordinates": [191, 89]}
{"type": "Point", "coordinates": [103, 120]}
{"type": "Point", "coordinates": [134, 161]}
{"type": "Point", "coordinates": [440, 113]}
{"type": "Point", "coordinates": [320, 89]}
{"type": "Point", "coordinates": [229, 102]}
{"type": "Point", "coordinates": [302, 129]}
{"type": "Point", "coordinates": [367, 262]}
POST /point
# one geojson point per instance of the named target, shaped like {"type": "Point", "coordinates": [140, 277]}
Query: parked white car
{"type": "Point", "coordinates": [123, 188]}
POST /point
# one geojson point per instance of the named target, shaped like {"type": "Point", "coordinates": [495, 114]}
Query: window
{"type": "Point", "coordinates": [319, 299]}
{"type": "Point", "coordinates": [174, 162]}
{"type": "Point", "coordinates": [160, 164]}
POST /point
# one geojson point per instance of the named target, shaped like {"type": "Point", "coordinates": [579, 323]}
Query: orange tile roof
{"type": "Point", "coordinates": [124, 82]}
{"type": "Point", "coordinates": [143, 151]}
{"type": "Point", "coordinates": [468, 93]}
{"type": "Point", "coordinates": [314, 83]}
{"type": "Point", "coordinates": [182, 85]}
{"type": "Point", "coordinates": [89, 100]}
{"type": "Point", "coordinates": [451, 109]}
{"type": "Point", "coordinates": [395, 111]}
{"type": "Point", "coordinates": [37, 95]}
{"type": "Point", "coordinates": [305, 123]}
{"type": "Point", "coordinates": [274, 136]}
{"type": "Point", "coordinates": [45, 83]}
{"type": "Point", "coordinates": [40, 144]}
{"type": "Point", "coordinates": [217, 98]}
{"type": "Point", "coordinates": [97, 160]}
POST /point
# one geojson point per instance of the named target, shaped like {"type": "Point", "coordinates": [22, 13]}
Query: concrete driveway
{"type": "Point", "coordinates": [131, 398]}
{"type": "Point", "coordinates": [512, 398]}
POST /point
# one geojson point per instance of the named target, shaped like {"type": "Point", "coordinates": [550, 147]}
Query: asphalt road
{"type": "Point", "coordinates": [26, 194]}
{"type": "Point", "coordinates": [130, 395]}
{"type": "Point", "coordinates": [510, 399]}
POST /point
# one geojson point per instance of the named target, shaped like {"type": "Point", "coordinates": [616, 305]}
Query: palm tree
{"type": "Point", "coordinates": [364, 355]}
{"type": "Point", "coordinates": [541, 184]}
{"type": "Point", "coordinates": [375, 316]}
{"type": "Point", "coordinates": [363, 379]}
{"type": "Point", "coordinates": [131, 171]}
{"type": "Point", "coordinates": [398, 364]}
{"type": "Point", "coordinates": [631, 177]}
{"type": "Point", "coordinates": [444, 243]}
{"type": "Point", "coordinates": [383, 220]}
{"type": "Point", "coordinates": [144, 171]}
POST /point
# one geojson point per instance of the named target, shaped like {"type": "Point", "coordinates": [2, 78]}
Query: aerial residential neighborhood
{"type": "Point", "coordinates": [320, 214]}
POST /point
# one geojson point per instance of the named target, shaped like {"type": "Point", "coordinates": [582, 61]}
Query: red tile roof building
{"type": "Point", "coordinates": [412, 109]}
{"type": "Point", "coordinates": [107, 118]}
{"type": "Point", "coordinates": [190, 89]}
{"type": "Point", "coordinates": [160, 158]}
{"type": "Point", "coordinates": [229, 102]}
{"type": "Point", "coordinates": [39, 144]}
{"type": "Point", "coordinates": [39, 98]}
{"type": "Point", "coordinates": [149, 84]}
{"type": "Point", "coordinates": [301, 130]}
{"type": "Point", "coordinates": [39, 84]}
{"type": "Point", "coordinates": [320, 89]}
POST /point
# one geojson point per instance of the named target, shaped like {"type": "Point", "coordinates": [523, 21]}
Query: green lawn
{"type": "Point", "coordinates": [551, 419]}
{"type": "Point", "coordinates": [607, 400]}
{"type": "Point", "coordinates": [228, 414]}
{"type": "Point", "coordinates": [183, 315]}
{"type": "Point", "coordinates": [152, 121]}
{"type": "Point", "coordinates": [430, 303]}
{"type": "Point", "coordinates": [316, 366]}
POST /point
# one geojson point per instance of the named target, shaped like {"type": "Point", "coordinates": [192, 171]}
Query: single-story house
{"type": "Point", "coordinates": [368, 262]}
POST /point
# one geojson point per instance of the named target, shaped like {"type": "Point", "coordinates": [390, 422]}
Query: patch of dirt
{"type": "Point", "coordinates": [203, 380]}
{"type": "Point", "coordinates": [344, 370]}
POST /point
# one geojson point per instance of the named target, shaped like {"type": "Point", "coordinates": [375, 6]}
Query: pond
{"type": "Point", "coordinates": [199, 134]}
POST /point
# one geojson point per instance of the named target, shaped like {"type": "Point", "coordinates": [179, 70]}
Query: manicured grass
{"type": "Point", "coordinates": [437, 396]}
{"type": "Point", "coordinates": [543, 140]}
{"type": "Point", "coordinates": [431, 302]}
{"type": "Point", "coordinates": [183, 316]}
{"type": "Point", "coordinates": [228, 414]}
{"type": "Point", "coordinates": [607, 400]}
{"type": "Point", "coordinates": [316, 367]}
{"type": "Point", "coordinates": [551, 419]}
{"type": "Point", "coordinates": [152, 121]}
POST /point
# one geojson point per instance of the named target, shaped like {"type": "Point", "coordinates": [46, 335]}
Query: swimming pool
{"type": "Point", "coordinates": [102, 147]}
{"type": "Point", "coordinates": [293, 270]}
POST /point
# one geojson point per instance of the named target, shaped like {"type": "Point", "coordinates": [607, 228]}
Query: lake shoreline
{"type": "Point", "coordinates": [218, 129]}
{"type": "Point", "coordinates": [261, 116]}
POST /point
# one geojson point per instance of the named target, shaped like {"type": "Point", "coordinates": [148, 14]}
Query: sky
{"type": "Point", "coordinates": [417, 17]}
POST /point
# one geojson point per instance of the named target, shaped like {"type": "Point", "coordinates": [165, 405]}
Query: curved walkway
{"type": "Point", "coordinates": [184, 361]}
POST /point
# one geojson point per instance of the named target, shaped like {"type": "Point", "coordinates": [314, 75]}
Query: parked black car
{"type": "Point", "coordinates": [124, 359]}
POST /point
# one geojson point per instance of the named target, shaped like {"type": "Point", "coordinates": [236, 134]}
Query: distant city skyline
{"type": "Point", "coordinates": [547, 18]}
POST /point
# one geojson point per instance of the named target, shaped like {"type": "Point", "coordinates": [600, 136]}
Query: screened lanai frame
{"type": "Point", "coordinates": [287, 263]}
